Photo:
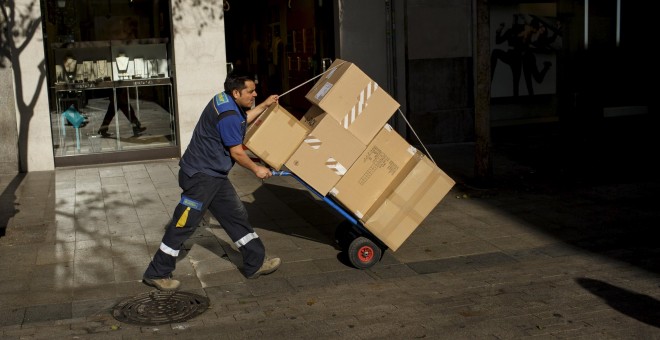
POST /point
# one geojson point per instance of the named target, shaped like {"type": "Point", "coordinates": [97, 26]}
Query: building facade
{"type": "Point", "coordinates": [97, 81]}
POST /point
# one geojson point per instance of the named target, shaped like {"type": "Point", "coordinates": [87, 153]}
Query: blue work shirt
{"type": "Point", "coordinates": [222, 125]}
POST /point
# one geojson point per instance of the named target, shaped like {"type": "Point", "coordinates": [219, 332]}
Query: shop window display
{"type": "Point", "coordinates": [110, 61]}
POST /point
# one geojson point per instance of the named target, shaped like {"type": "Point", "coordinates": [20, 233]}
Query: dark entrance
{"type": "Point", "coordinates": [283, 43]}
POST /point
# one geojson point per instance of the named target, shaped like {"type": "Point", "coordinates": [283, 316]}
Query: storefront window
{"type": "Point", "coordinates": [110, 77]}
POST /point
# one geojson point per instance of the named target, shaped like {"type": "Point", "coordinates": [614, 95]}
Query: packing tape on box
{"type": "Point", "coordinates": [362, 102]}
{"type": "Point", "coordinates": [407, 205]}
{"type": "Point", "coordinates": [313, 142]}
{"type": "Point", "coordinates": [335, 166]}
{"type": "Point", "coordinates": [292, 121]}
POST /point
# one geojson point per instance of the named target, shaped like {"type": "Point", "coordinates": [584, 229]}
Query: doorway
{"type": "Point", "coordinates": [282, 43]}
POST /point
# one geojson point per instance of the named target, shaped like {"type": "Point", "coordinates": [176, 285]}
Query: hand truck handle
{"type": "Point", "coordinates": [280, 173]}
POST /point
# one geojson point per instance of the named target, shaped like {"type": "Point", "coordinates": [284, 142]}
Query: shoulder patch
{"type": "Point", "coordinates": [221, 98]}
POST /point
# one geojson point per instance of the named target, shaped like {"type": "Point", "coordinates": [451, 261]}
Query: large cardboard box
{"type": "Point", "coordinates": [413, 199]}
{"type": "Point", "coordinates": [275, 135]}
{"type": "Point", "coordinates": [348, 95]}
{"type": "Point", "coordinates": [327, 152]}
{"type": "Point", "coordinates": [374, 172]}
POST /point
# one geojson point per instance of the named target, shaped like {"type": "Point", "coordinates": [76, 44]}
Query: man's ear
{"type": "Point", "coordinates": [236, 94]}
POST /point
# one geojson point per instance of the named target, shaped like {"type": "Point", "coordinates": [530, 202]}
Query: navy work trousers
{"type": "Point", "coordinates": [202, 192]}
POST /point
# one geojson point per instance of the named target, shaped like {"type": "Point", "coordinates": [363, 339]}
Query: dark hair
{"type": "Point", "coordinates": [236, 81]}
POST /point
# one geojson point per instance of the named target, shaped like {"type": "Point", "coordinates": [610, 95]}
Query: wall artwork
{"type": "Point", "coordinates": [525, 39]}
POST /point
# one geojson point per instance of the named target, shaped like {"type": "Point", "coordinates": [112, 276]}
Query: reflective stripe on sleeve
{"type": "Point", "coordinates": [169, 251]}
{"type": "Point", "coordinates": [245, 239]}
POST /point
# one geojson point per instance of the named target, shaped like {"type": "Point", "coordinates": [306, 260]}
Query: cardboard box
{"type": "Point", "coordinates": [327, 152]}
{"type": "Point", "coordinates": [275, 135]}
{"type": "Point", "coordinates": [349, 96]}
{"type": "Point", "coordinates": [374, 172]}
{"type": "Point", "coordinates": [413, 199]}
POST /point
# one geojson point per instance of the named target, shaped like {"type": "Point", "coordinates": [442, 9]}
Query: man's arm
{"type": "Point", "coordinates": [259, 109]}
{"type": "Point", "coordinates": [242, 158]}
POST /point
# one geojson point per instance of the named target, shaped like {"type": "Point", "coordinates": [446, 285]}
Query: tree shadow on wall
{"type": "Point", "coordinates": [18, 26]}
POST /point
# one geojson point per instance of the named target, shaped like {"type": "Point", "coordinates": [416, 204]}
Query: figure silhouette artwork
{"type": "Point", "coordinates": [524, 40]}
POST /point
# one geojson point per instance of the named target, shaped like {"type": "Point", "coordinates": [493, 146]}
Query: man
{"type": "Point", "coordinates": [216, 144]}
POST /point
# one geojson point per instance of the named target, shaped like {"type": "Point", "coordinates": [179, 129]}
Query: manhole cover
{"type": "Point", "coordinates": [157, 308]}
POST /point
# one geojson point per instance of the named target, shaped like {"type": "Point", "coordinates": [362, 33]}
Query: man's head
{"type": "Point", "coordinates": [242, 88]}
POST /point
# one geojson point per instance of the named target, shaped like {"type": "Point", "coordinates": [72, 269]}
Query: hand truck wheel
{"type": "Point", "coordinates": [364, 253]}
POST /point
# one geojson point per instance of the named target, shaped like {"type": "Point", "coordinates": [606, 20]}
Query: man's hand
{"type": "Point", "coordinates": [262, 172]}
{"type": "Point", "coordinates": [259, 109]}
{"type": "Point", "coordinates": [238, 154]}
{"type": "Point", "coordinates": [272, 99]}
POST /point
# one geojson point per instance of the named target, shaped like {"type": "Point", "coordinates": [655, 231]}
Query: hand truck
{"type": "Point", "coordinates": [363, 248]}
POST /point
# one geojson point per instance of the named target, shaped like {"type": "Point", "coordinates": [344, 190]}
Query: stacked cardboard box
{"type": "Point", "coordinates": [274, 135]}
{"type": "Point", "coordinates": [327, 152]}
{"type": "Point", "coordinates": [344, 148]}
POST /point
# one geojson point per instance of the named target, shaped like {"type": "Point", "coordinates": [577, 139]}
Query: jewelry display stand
{"type": "Point", "coordinates": [59, 74]}
{"type": "Point", "coordinates": [122, 66]}
{"type": "Point", "coordinates": [70, 65]}
{"type": "Point", "coordinates": [152, 68]}
{"type": "Point", "coordinates": [102, 70]}
{"type": "Point", "coordinates": [88, 70]}
{"type": "Point", "coordinates": [138, 68]}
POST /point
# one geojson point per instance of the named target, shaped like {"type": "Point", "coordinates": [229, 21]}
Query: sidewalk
{"type": "Point", "coordinates": [543, 252]}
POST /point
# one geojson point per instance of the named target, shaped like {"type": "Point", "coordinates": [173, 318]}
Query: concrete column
{"type": "Point", "coordinates": [199, 60]}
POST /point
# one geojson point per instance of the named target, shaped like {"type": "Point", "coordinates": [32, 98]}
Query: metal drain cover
{"type": "Point", "coordinates": [157, 308]}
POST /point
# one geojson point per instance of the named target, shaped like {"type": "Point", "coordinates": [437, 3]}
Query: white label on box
{"type": "Point", "coordinates": [412, 150]}
{"type": "Point", "coordinates": [335, 166]}
{"type": "Point", "coordinates": [359, 214]}
{"type": "Point", "coordinates": [334, 192]}
{"type": "Point", "coordinates": [323, 91]}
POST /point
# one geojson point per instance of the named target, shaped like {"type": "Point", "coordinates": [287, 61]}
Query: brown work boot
{"type": "Point", "coordinates": [164, 284]}
{"type": "Point", "coordinates": [270, 265]}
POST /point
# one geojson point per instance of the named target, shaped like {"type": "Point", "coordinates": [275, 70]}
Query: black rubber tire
{"type": "Point", "coordinates": [364, 253]}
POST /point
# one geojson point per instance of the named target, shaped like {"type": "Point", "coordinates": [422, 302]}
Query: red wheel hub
{"type": "Point", "coordinates": [365, 254]}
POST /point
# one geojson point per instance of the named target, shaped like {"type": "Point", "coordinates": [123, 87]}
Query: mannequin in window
{"type": "Point", "coordinates": [130, 31]}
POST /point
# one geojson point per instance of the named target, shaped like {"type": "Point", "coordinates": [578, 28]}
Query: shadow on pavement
{"type": "Point", "coordinates": [322, 218]}
{"type": "Point", "coordinates": [595, 190]}
{"type": "Point", "coordinates": [638, 306]}
{"type": "Point", "coordinates": [8, 199]}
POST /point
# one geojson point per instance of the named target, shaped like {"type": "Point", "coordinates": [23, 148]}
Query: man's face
{"type": "Point", "coordinates": [245, 97]}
